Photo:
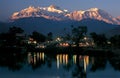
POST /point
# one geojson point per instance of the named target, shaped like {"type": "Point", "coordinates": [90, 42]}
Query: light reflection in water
{"type": "Point", "coordinates": [61, 59]}
{"type": "Point", "coordinates": [74, 59]}
{"type": "Point", "coordinates": [30, 60]}
{"type": "Point", "coordinates": [70, 62]}
{"type": "Point", "coordinates": [34, 57]}
{"type": "Point", "coordinates": [86, 62]}
{"type": "Point", "coordinates": [38, 56]}
{"type": "Point", "coordinates": [58, 61]}
{"type": "Point", "coordinates": [66, 59]}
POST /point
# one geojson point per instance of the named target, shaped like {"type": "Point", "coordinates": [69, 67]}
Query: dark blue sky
{"type": "Point", "coordinates": [7, 7]}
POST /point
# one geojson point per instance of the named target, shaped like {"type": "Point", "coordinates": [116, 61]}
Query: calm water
{"type": "Point", "coordinates": [47, 65]}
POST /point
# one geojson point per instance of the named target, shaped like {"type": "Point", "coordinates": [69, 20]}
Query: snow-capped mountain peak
{"type": "Point", "coordinates": [27, 12]}
{"type": "Point", "coordinates": [53, 8]}
{"type": "Point", "coordinates": [118, 17]}
{"type": "Point", "coordinates": [50, 12]}
{"type": "Point", "coordinates": [93, 9]}
{"type": "Point", "coordinates": [93, 13]}
{"type": "Point", "coordinates": [56, 13]}
{"type": "Point", "coordinates": [30, 9]}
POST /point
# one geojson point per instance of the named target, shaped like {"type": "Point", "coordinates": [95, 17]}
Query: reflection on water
{"type": "Point", "coordinates": [77, 65]}
{"type": "Point", "coordinates": [34, 57]}
{"type": "Point", "coordinates": [74, 58]}
{"type": "Point", "coordinates": [62, 59]}
{"type": "Point", "coordinates": [86, 62]}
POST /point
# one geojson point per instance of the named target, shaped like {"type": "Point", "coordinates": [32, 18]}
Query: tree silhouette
{"type": "Point", "coordinates": [13, 37]}
{"type": "Point", "coordinates": [78, 33]}
{"type": "Point", "coordinates": [38, 36]}
{"type": "Point", "coordinates": [15, 30]}
{"type": "Point", "coordinates": [50, 36]}
{"type": "Point", "coordinates": [115, 41]}
{"type": "Point", "coordinates": [99, 39]}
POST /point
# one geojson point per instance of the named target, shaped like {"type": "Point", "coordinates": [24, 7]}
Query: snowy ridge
{"type": "Point", "coordinates": [93, 13]}
{"type": "Point", "coordinates": [56, 13]}
{"type": "Point", "coordinates": [51, 12]}
{"type": "Point", "coordinates": [118, 18]}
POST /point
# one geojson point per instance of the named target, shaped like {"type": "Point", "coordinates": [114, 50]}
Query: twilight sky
{"type": "Point", "coordinates": [8, 7]}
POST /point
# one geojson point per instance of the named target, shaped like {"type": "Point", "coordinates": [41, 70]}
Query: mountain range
{"type": "Point", "coordinates": [54, 19]}
{"type": "Point", "coordinates": [56, 13]}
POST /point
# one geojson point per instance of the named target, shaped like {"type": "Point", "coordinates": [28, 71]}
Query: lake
{"type": "Point", "coordinates": [58, 65]}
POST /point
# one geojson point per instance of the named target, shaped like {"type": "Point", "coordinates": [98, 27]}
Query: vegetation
{"type": "Point", "coordinates": [99, 39]}
{"type": "Point", "coordinates": [78, 33]}
{"type": "Point", "coordinates": [115, 41]}
{"type": "Point", "coordinates": [16, 37]}
{"type": "Point", "coordinates": [38, 36]}
{"type": "Point", "coordinates": [50, 36]}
